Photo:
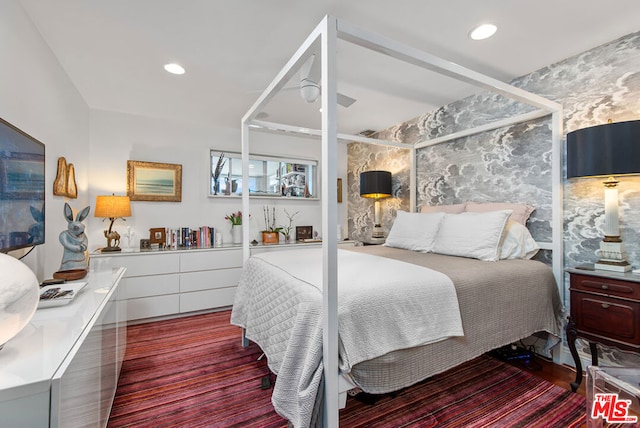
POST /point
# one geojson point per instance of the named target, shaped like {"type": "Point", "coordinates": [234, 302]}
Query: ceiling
{"type": "Point", "coordinates": [114, 51]}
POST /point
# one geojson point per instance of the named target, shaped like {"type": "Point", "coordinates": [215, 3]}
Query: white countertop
{"type": "Point", "coordinates": [29, 361]}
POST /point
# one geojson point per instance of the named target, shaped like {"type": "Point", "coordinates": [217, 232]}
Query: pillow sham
{"type": "Point", "coordinates": [451, 209]}
{"type": "Point", "coordinates": [517, 242]}
{"type": "Point", "coordinates": [414, 231]}
{"type": "Point", "coordinates": [471, 234]}
{"type": "Point", "coordinates": [521, 212]}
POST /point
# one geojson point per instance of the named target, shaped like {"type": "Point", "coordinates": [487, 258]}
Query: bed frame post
{"type": "Point", "coordinates": [245, 341]}
{"type": "Point", "coordinates": [413, 179]}
{"type": "Point", "coordinates": [246, 252]}
{"type": "Point", "coordinates": [329, 222]}
{"type": "Point", "coordinates": [557, 216]}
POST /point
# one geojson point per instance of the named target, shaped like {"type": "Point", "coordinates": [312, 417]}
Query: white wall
{"type": "Point", "coordinates": [37, 96]}
{"type": "Point", "coordinates": [117, 137]}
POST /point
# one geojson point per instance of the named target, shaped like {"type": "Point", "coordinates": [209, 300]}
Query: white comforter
{"type": "Point", "coordinates": [383, 305]}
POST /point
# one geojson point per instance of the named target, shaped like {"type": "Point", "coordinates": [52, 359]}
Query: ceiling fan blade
{"type": "Point", "coordinates": [307, 68]}
{"type": "Point", "coordinates": [345, 101]}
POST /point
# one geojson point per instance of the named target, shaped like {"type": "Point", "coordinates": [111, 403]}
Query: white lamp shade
{"type": "Point", "coordinates": [19, 296]}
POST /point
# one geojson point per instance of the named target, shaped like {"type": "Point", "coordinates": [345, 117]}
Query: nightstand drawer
{"type": "Point", "coordinates": [606, 317]}
{"type": "Point", "coordinates": [611, 287]}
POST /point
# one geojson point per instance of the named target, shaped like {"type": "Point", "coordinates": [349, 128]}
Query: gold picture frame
{"type": "Point", "coordinates": [154, 181]}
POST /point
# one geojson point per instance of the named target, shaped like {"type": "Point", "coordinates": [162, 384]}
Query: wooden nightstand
{"type": "Point", "coordinates": [605, 309]}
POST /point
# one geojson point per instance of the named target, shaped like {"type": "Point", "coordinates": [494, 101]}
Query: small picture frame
{"type": "Point", "coordinates": [145, 244]}
{"type": "Point", "coordinates": [304, 232]}
{"type": "Point", "coordinates": [157, 235]}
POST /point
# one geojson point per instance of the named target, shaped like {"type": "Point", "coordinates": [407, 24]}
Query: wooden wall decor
{"type": "Point", "coordinates": [65, 182]}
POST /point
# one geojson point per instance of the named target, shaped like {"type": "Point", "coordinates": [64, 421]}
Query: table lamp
{"type": "Point", "coordinates": [608, 150]}
{"type": "Point", "coordinates": [376, 185]}
{"type": "Point", "coordinates": [112, 207]}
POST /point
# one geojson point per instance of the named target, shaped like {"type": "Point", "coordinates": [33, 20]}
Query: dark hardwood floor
{"type": "Point", "coordinates": [558, 374]}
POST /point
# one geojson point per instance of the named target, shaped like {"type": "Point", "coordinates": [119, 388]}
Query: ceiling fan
{"type": "Point", "coordinates": [309, 86]}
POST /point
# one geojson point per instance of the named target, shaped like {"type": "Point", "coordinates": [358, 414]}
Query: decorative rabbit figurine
{"type": "Point", "coordinates": [74, 241]}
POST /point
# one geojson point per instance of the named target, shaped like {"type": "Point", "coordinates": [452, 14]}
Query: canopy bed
{"type": "Point", "coordinates": [323, 39]}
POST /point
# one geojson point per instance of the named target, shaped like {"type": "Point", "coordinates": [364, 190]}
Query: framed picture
{"type": "Point", "coordinates": [153, 181]}
{"type": "Point", "coordinates": [145, 244]}
{"type": "Point", "coordinates": [157, 235]}
{"type": "Point", "coordinates": [304, 232]}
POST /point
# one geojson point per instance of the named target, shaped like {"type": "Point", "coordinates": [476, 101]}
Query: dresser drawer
{"type": "Point", "coordinates": [147, 264]}
{"type": "Point", "coordinates": [210, 260]}
{"type": "Point", "coordinates": [606, 317]}
{"type": "Point", "coordinates": [611, 287]}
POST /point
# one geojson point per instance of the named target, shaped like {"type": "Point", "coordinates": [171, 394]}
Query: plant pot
{"type": "Point", "coordinates": [270, 237]}
{"type": "Point", "coordinates": [236, 233]}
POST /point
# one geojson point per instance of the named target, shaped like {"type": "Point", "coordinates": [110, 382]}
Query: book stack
{"type": "Point", "coordinates": [186, 237]}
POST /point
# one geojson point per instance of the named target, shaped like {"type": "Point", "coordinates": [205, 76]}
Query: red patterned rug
{"type": "Point", "coordinates": [192, 372]}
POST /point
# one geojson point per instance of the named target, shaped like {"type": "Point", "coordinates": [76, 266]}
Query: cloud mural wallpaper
{"type": "Point", "coordinates": [512, 164]}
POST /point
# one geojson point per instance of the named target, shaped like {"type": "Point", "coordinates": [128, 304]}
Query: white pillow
{"type": "Point", "coordinates": [517, 242]}
{"type": "Point", "coordinates": [414, 231]}
{"type": "Point", "coordinates": [470, 234]}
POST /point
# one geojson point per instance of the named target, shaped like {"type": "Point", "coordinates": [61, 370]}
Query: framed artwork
{"type": "Point", "coordinates": [145, 244]}
{"type": "Point", "coordinates": [153, 181]}
{"type": "Point", "coordinates": [157, 235]}
{"type": "Point", "coordinates": [304, 232]}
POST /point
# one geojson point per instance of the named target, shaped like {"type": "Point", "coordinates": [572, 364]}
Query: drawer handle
{"type": "Point", "coordinates": [605, 306]}
{"type": "Point", "coordinates": [604, 286]}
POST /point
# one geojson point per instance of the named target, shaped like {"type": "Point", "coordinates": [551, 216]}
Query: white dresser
{"type": "Point", "coordinates": [62, 369]}
{"type": "Point", "coordinates": [166, 283]}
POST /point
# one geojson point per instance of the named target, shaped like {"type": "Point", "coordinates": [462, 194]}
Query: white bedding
{"type": "Point", "coordinates": [383, 305]}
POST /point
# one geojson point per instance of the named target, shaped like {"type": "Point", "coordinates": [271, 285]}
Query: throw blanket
{"type": "Point", "coordinates": [383, 305]}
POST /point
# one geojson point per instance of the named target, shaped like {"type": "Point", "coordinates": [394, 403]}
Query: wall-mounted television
{"type": "Point", "coordinates": [21, 189]}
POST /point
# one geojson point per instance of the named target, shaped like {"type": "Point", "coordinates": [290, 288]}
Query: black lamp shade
{"type": "Point", "coordinates": [604, 150]}
{"type": "Point", "coordinates": [375, 184]}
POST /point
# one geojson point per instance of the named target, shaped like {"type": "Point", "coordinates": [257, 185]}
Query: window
{"type": "Point", "coordinates": [268, 176]}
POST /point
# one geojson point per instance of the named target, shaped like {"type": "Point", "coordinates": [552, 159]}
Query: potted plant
{"type": "Point", "coordinates": [236, 226]}
{"type": "Point", "coordinates": [286, 230]}
{"type": "Point", "coordinates": [271, 233]}
{"type": "Point", "coordinates": [215, 175]}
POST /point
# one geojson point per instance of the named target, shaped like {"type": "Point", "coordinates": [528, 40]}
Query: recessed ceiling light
{"type": "Point", "coordinates": [174, 68]}
{"type": "Point", "coordinates": [483, 31]}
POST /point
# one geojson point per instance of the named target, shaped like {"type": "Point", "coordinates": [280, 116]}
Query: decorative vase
{"type": "Point", "coordinates": [236, 233]}
{"type": "Point", "coordinates": [270, 237]}
{"type": "Point", "coordinates": [19, 296]}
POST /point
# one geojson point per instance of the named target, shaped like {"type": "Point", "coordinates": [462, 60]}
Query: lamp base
{"type": "Point", "coordinates": [612, 266]}
{"type": "Point", "coordinates": [377, 232]}
{"type": "Point", "coordinates": [110, 249]}
{"type": "Point", "coordinates": [612, 256]}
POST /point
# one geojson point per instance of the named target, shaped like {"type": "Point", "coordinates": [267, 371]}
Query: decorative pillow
{"type": "Point", "coordinates": [414, 231]}
{"type": "Point", "coordinates": [521, 212]}
{"type": "Point", "coordinates": [517, 242]}
{"type": "Point", "coordinates": [450, 209]}
{"type": "Point", "coordinates": [474, 235]}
